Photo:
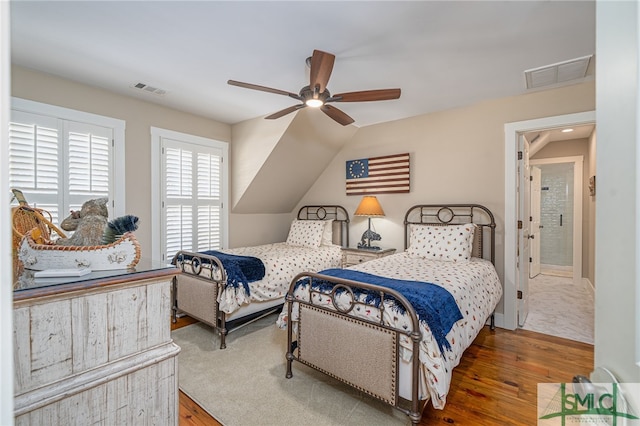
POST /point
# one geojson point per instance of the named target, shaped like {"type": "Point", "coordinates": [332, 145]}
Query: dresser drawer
{"type": "Point", "coordinates": [352, 256]}
{"type": "Point", "coordinates": [355, 258]}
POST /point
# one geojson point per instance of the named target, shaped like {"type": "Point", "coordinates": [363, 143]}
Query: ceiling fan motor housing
{"type": "Point", "coordinates": [307, 93]}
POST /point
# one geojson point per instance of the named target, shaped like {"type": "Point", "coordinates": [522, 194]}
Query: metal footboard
{"type": "Point", "coordinates": [202, 279]}
{"type": "Point", "coordinates": [370, 359]}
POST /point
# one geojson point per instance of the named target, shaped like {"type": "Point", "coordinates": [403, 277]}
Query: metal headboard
{"type": "Point", "coordinates": [453, 214]}
{"type": "Point", "coordinates": [338, 213]}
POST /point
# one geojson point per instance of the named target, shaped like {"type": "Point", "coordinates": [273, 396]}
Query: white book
{"type": "Point", "coordinates": [70, 272]}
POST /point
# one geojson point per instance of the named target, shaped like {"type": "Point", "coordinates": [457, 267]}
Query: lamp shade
{"type": "Point", "coordinates": [369, 206]}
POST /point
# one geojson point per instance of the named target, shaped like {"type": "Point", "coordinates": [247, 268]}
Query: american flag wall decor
{"type": "Point", "coordinates": [379, 175]}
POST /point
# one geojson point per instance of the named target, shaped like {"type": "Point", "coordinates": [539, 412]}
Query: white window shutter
{"type": "Point", "coordinates": [89, 163]}
{"type": "Point", "coordinates": [34, 154]}
{"type": "Point", "coordinates": [209, 191]}
{"type": "Point", "coordinates": [192, 197]}
{"type": "Point", "coordinates": [179, 229]}
{"type": "Point", "coordinates": [178, 173]}
{"type": "Point", "coordinates": [59, 164]}
{"type": "Point", "coordinates": [209, 237]}
{"type": "Point", "coordinates": [209, 173]}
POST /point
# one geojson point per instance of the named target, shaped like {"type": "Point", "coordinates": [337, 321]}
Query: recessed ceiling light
{"type": "Point", "coordinates": [567, 130]}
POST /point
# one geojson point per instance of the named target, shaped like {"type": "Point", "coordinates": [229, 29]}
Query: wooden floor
{"type": "Point", "coordinates": [495, 383]}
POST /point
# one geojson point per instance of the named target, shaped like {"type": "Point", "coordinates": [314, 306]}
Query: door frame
{"type": "Point", "coordinates": [535, 194]}
{"type": "Point", "coordinates": [523, 193]}
{"type": "Point", "coordinates": [509, 319]}
{"type": "Point", "coordinates": [578, 164]}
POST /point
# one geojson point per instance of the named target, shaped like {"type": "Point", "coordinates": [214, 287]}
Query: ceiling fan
{"type": "Point", "coordinates": [316, 94]}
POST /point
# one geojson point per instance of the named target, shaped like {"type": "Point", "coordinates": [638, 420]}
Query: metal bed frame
{"type": "Point", "coordinates": [203, 278]}
{"type": "Point", "coordinates": [374, 344]}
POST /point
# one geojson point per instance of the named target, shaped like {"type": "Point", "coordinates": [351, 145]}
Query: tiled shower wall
{"type": "Point", "coordinates": [556, 236]}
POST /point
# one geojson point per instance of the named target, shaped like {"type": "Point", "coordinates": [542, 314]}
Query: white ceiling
{"type": "Point", "coordinates": [441, 54]}
{"type": "Point", "coordinates": [562, 134]}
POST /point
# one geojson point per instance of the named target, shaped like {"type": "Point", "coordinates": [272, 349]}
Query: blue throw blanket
{"type": "Point", "coordinates": [433, 304]}
{"type": "Point", "coordinates": [241, 270]}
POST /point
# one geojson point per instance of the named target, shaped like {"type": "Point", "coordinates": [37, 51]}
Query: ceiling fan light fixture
{"type": "Point", "coordinates": [314, 103]}
{"type": "Point", "coordinates": [312, 98]}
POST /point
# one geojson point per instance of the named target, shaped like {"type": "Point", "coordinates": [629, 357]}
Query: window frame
{"type": "Point", "coordinates": [157, 134]}
{"type": "Point", "coordinates": [118, 149]}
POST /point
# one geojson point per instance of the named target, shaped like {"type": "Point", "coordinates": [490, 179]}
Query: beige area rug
{"type": "Point", "coordinates": [560, 308]}
{"type": "Point", "coordinates": [245, 383]}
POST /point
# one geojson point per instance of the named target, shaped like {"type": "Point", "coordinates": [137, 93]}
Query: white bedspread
{"type": "Point", "coordinates": [476, 289]}
{"type": "Point", "coordinates": [282, 262]}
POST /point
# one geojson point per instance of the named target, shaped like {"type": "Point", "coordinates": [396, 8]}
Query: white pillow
{"type": "Point", "coordinates": [451, 243]}
{"type": "Point", "coordinates": [327, 235]}
{"type": "Point", "coordinates": [306, 233]}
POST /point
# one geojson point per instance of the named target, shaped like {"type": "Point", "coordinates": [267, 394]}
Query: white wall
{"type": "Point", "coordinates": [6, 279]}
{"type": "Point", "coordinates": [617, 329]}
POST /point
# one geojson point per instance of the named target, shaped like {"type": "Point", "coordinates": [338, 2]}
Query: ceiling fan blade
{"type": "Point", "coordinates": [284, 112]}
{"type": "Point", "coordinates": [321, 67]}
{"type": "Point", "coordinates": [366, 95]}
{"type": "Point", "coordinates": [263, 89]}
{"type": "Point", "coordinates": [337, 114]}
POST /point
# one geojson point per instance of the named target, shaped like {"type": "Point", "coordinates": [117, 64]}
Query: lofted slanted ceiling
{"type": "Point", "coordinates": [180, 54]}
{"type": "Point", "coordinates": [541, 138]}
{"type": "Point", "coordinates": [275, 162]}
{"type": "Point", "coordinates": [442, 54]}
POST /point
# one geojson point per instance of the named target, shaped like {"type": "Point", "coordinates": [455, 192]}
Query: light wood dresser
{"type": "Point", "coordinates": [96, 349]}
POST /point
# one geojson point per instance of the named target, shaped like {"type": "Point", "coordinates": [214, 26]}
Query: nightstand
{"type": "Point", "coordinates": [355, 256]}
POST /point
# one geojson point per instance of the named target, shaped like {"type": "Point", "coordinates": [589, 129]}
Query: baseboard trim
{"type": "Point", "coordinates": [499, 318]}
{"type": "Point", "coordinates": [588, 285]}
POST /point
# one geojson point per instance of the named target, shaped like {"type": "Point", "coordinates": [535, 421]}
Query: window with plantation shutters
{"type": "Point", "coordinates": [88, 163]}
{"type": "Point", "coordinates": [60, 158]}
{"type": "Point", "coordinates": [192, 192]}
{"type": "Point", "coordinates": [35, 151]}
{"type": "Point", "coordinates": [208, 190]}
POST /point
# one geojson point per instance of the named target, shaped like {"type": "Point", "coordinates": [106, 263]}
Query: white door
{"type": "Point", "coordinates": [536, 182]}
{"type": "Point", "coordinates": [523, 189]}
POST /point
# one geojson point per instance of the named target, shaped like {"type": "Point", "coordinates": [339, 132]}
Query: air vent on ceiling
{"type": "Point", "coordinates": [149, 89]}
{"type": "Point", "coordinates": [562, 72]}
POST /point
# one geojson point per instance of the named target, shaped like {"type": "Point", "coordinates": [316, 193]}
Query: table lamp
{"type": "Point", "coordinates": [369, 207]}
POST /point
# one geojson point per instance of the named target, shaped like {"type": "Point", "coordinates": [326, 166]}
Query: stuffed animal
{"type": "Point", "coordinates": [119, 226]}
{"type": "Point", "coordinates": [89, 224]}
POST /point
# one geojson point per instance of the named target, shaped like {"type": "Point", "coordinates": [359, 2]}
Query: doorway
{"type": "Point", "coordinates": [513, 256]}
{"type": "Point", "coordinates": [560, 236]}
{"type": "Point", "coordinates": [560, 301]}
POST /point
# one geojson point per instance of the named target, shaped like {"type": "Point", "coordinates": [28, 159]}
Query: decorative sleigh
{"type": "Point", "coordinates": [123, 253]}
